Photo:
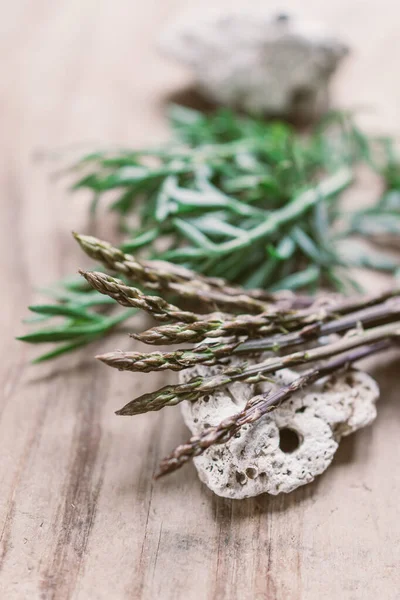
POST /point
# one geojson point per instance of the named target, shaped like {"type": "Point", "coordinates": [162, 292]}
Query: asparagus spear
{"type": "Point", "coordinates": [198, 386]}
{"type": "Point", "coordinates": [211, 353]}
{"type": "Point", "coordinates": [163, 276]}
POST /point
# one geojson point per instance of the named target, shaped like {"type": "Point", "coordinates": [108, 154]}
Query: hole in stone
{"type": "Point", "coordinates": [251, 472]}
{"type": "Point", "coordinates": [289, 440]}
{"type": "Point", "coordinates": [241, 477]}
{"type": "Point", "coordinates": [206, 398]}
{"type": "Point", "coordinates": [301, 410]}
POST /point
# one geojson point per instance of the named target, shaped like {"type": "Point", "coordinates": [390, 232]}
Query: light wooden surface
{"type": "Point", "coordinates": [80, 516]}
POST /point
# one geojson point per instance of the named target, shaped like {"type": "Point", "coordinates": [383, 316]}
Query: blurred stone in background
{"type": "Point", "coordinates": [250, 59]}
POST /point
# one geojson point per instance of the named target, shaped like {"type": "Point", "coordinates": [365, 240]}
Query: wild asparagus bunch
{"type": "Point", "coordinates": [331, 333]}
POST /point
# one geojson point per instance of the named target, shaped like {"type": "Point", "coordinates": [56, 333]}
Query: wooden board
{"type": "Point", "coordinates": [80, 516]}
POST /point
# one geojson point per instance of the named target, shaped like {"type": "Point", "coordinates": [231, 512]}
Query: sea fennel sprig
{"type": "Point", "coordinates": [253, 201]}
{"type": "Point", "coordinates": [82, 317]}
{"type": "Point", "coordinates": [225, 182]}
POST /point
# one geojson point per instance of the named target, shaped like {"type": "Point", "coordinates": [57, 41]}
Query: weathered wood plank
{"type": "Point", "coordinates": [80, 516]}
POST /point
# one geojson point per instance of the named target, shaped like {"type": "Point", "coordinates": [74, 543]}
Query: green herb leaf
{"type": "Point", "coordinates": [238, 197]}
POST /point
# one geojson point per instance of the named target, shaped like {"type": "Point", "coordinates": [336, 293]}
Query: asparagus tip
{"type": "Point", "coordinates": [105, 358]}
{"type": "Point", "coordinates": [110, 358]}
{"type": "Point", "coordinates": [78, 237]}
{"type": "Point", "coordinates": [85, 241]}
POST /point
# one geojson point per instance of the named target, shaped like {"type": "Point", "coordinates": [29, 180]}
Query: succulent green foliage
{"type": "Point", "coordinates": [237, 197]}
{"type": "Point", "coordinates": [224, 197]}
{"type": "Point", "coordinates": [84, 315]}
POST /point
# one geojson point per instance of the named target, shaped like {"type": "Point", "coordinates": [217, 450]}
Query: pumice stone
{"type": "Point", "coordinates": [257, 61]}
{"type": "Point", "coordinates": [289, 446]}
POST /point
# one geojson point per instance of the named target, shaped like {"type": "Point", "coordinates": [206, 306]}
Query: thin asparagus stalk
{"type": "Point", "coordinates": [206, 354]}
{"type": "Point", "coordinates": [216, 327]}
{"type": "Point", "coordinates": [372, 315]}
{"type": "Point", "coordinates": [257, 325]}
{"type": "Point", "coordinates": [162, 310]}
{"type": "Point", "coordinates": [359, 302]}
{"type": "Point", "coordinates": [126, 295]}
{"type": "Point", "coordinates": [209, 353]}
{"type": "Point", "coordinates": [198, 386]}
{"type": "Point", "coordinates": [213, 325]}
{"type": "Point", "coordinates": [258, 406]}
{"type": "Point", "coordinates": [215, 353]}
{"type": "Point", "coordinates": [158, 272]}
{"type": "Point", "coordinates": [161, 273]}
{"type": "Point", "coordinates": [162, 276]}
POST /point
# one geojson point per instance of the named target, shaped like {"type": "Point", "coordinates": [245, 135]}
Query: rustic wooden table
{"type": "Point", "coordinates": [80, 516]}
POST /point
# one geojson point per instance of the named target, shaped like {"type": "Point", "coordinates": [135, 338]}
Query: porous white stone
{"type": "Point", "coordinates": [256, 459]}
{"type": "Point", "coordinates": [251, 59]}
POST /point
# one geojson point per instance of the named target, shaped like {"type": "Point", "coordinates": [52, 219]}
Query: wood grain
{"type": "Point", "coordinates": [80, 516]}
